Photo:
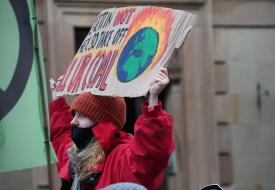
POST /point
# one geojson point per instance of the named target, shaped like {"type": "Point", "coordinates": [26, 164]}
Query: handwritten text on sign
{"type": "Point", "coordinates": [121, 53]}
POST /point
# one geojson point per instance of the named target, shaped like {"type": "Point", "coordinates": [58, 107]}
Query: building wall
{"type": "Point", "coordinates": [245, 43]}
{"type": "Point", "coordinates": [234, 42]}
{"type": "Point", "coordinates": [192, 95]}
{"type": "Point", "coordinates": [253, 132]}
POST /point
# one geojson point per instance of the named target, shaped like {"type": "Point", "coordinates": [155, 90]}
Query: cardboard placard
{"type": "Point", "coordinates": [124, 50]}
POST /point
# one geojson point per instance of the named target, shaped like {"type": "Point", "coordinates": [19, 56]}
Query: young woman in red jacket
{"type": "Point", "coordinates": [93, 152]}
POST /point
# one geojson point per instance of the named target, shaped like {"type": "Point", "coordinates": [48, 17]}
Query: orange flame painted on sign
{"type": "Point", "coordinates": [161, 20]}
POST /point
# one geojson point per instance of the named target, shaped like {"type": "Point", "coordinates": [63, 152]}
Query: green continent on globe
{"type": "Point", "coordinates": [138, 54]}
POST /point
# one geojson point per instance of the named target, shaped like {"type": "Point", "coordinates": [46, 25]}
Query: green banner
{"type": "Point", "coordinates": [23, 97]}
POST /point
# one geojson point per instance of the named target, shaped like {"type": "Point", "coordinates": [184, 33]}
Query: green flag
{"type": "Point", "coordinates": [23, 98]}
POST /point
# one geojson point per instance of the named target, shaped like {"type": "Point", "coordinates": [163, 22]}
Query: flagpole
{"type": "Point", "coordinates": [43, 100]}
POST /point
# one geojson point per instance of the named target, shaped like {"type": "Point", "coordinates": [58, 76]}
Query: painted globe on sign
{"type": "Point", "coordinates": [137, 55]}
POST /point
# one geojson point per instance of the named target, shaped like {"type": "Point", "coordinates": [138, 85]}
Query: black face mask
{"type": "Point", "coordinates": [81, 136]}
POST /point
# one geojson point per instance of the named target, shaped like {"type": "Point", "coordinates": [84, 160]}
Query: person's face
{"type": "Point", "coordinates": [82, 121]}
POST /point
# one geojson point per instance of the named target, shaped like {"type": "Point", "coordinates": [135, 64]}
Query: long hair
{"type": "Point", "coordinates": [88, 158]}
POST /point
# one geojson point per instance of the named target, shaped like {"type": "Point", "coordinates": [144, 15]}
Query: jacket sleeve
{"type": "Point", "coordinates": [153, 142]}
{"type": "Point", "coordinates": [60, 132]}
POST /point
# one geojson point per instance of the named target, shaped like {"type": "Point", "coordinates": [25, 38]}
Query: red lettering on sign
{"type": "Point", "coordinates": [100, 57]}
{"type": "Point", "coordinates": [71, 84]}
{"type": "Point", "coordinates": [101, 70]}
{"type": "Point", "coordinates": [84, 64]}
{"type": "Point", "coordinates": [132, 10]}
{"type": "Point", "coordinates": [63, 82]}
{"type": "Point", "coordinates": [91, 72]}
{"type": "Point", "coordinates": [103, 84]}
{"type": "Point", "coordinates": [89, 69]}
{"type": "Point", "coordinates": [123, 15]}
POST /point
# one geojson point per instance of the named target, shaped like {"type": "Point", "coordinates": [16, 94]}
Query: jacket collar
{"type": "Point", "coordinates": [108, 135]}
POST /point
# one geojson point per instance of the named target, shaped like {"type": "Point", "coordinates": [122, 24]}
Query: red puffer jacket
{"type": "Point", "coordinates": [139, 159]}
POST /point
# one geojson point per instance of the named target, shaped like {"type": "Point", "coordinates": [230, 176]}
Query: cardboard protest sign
{"type": "Point", "coordinates": [124, 50]}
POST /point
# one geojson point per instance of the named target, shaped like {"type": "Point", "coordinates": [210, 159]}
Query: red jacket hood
{"type": "Point", "coordinates": [108, 135]}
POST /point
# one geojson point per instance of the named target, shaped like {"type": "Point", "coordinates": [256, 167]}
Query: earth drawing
{"type": "Point", "coordinates": [138, 54]}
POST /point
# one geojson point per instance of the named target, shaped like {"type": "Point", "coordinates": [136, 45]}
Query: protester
{"type": "Point", "coordinates": [92, 150]}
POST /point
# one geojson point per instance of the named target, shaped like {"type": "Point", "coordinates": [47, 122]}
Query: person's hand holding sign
{"type": "Point", "coordinates": [53, 87]}
{"type": "Point", "coordinates": [157, 85]}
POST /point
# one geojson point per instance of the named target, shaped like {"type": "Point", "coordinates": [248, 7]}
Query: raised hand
{"type": "Point", "coordinates": [157, 85]}
{"type": "Point", "coordinates": [53, 87]}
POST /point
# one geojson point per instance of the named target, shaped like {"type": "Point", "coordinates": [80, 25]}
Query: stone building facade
{"type": "Point", "coordinates": [221, 93]}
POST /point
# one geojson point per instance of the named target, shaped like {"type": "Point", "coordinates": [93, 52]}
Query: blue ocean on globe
{"type": "Point", "coordinates": [138, 54]}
